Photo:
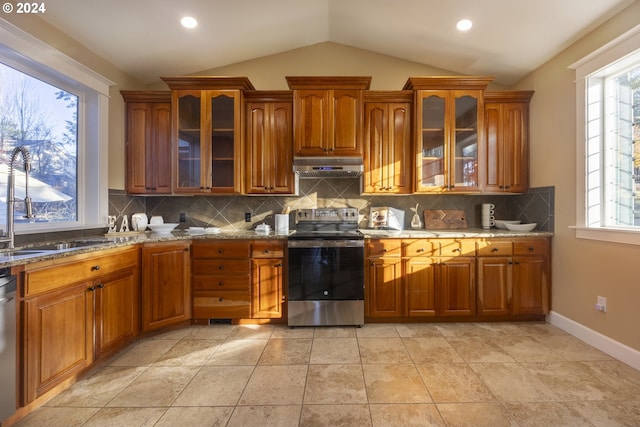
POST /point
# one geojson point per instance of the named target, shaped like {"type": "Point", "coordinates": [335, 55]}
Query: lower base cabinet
{"type": "Point", "coordinates": [74, 313]}
{"type": "Point", "coordinates": [221, 279]}
{"type": "Point", "coordinates": [463, 278]}
{"type": "Point", "coordinates": [385, 290]}
{"type": "Point", "coordinates": [513, 277]}
{"type": "Point", "coordinates": [238, 279]}
{"type": "Point", "coordinates": [166, 284]}
{"type": "Point", "coordinates": [267, 279]}
{"type": "Point", "coordinates": [455, 287]}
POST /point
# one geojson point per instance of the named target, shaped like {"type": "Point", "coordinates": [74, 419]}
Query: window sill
{"type": "Point", "coordinates": [615, 235]}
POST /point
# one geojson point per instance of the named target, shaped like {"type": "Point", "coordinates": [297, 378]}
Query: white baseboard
{"type": "Point", "coordinates": [613, 348]}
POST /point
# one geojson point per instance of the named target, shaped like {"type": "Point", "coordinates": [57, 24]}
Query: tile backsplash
{"type": "Point", "coordinates": [228, 212]}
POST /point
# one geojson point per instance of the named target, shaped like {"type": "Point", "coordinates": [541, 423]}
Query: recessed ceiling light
{"type": "Point", "coordinates": [464, 25]}
{"type": "Point", "coordinates": [189, 22]}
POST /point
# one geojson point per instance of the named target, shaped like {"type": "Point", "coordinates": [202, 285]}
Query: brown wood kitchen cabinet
{"type": "Point", "coordinates": [420, 277]}
{"type": "Point", "coordinates": [267, 279]}
{"type": "Point", "coordinates": [507, 141]}
{"type": "Point", "coordinates": [449, 132]}
{"type": "Point", "coordinates": [513, 277]}
{"type": "Point", "coordinates": [207, 134]}
{"type": "Point", "coordinates": [495, 284]}
{"type": "Point", "coordinates": [148, 142]}
{"type": "Point", "coordinates": [221, 279]}
{"type": "Point", "coordinates": [387, 142]}
{"type": "Point", "coordinates": [166, 284]}
{"type": "Point", "coordinates": [531, 278]}
{"type": "Point", "coordinates": [327, 115]}
{"type": "Point", "coordinates": [75, 310]}
{"type": "Point", "coordinates": [269, 142]}
{"type": "Point", "coordinates": [384, 288]}
{"type": "Point", "coordinates": [456, 278]}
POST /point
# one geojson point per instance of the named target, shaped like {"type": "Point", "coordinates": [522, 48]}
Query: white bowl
{"type": "Point", "coordinates": [502, 223]}
{"type": "Point", "coordinates": [521, 227]}
{"type": "Point", "coordinates": [163, 228]}
{"type": "Point", "coordinates": [156, 219]}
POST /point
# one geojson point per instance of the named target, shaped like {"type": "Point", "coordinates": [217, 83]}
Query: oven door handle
{"type": "Point", "coordinates": [325, 244]}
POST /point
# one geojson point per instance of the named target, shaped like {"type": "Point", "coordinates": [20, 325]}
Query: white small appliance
{"type": "Point", "coordinates": [386, 218]}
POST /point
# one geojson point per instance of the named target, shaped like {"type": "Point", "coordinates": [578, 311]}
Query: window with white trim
{"type": "Point", "coordinates": [70, 145]}
{"type": "Point", "coordinates": [613, 145]}
{"type": "Point", "coordinates": [608, 141]}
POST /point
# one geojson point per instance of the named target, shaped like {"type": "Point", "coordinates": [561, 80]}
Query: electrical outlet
{"type": "Point", "coordinates": [183, 217]}
{"type": "Point", "coordinates": [601, 304]}
{"type": "Point", "coordinates": [247, 217]}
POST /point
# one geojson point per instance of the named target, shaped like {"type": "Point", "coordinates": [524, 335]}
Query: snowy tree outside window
{"type": "Point", "coordinates": [44, 119]}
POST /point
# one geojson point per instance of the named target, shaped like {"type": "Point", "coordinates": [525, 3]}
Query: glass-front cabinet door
{"type": "Point", "coordinates": [465, 141]}
{"type": "Point", "coordinates": [433, 140]}
{"type": "Point", "coordinates": [208, 137]}
{"type": "Point", "coordinates": [449, 126]}
{"type": "Point", "coordinates": [190, 149]}
{"type": "Point", "coordinates": [223, 141]}
{"type": "Point", "coordinates": [448, 142]}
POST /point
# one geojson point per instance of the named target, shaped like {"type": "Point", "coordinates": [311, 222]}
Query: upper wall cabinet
{"type": "Point", "coordinates": [449, 141]}
{"type": "Point", "coordinates": [327, 115]}
{"type": "Point", "coordinates": [507, 141]}
{"type": "Point", "coordinates": [148, 142]}
{"type": "Point", "coordinates": [387, 142]}
{"type": "Point", "coordinates": [207, 133]}
{"type": "Point", "coordinates": [269, 142]}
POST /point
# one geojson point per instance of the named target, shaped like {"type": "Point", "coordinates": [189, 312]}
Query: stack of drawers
{"type": "Point", "coordinates": [221, 279]}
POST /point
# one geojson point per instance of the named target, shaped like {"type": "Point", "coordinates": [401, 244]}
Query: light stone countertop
{"type": "Point", "coordinates": [114, 241]}
{"type": "Point", "coordinates": [469, 233]}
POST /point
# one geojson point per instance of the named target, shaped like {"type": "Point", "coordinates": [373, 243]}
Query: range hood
{"type": "Point", "coordinates": [328, 167]}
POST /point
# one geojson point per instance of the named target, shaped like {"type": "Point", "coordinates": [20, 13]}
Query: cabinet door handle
{"type": "Point", "coordinates": [278, 265]}
{"type": "Point", "coordinates": [220, 283]}
{"type": "Point", "coordinates": [266, 251]}
{"type": "Point", "coordinates": [95, 268]}
{"type": "Point", "coordinates": [220, 251]}
{"type": "Point", "coordinates": [100, 286]}
{"type": "Point", "coordinates": [455, 250]}
{"type": "Point", "coordinates": [494, 250]}
{"type": "Point", "coordinates": [420, 250]}
{"type": "Point", "coordinates": [220, 299]}
{"type": "Point", "coordinates": [91, 288]}
{"type": "Point", "coordinates": [531, 249]}
{"type": "Point", "coordinates": [221, 267]}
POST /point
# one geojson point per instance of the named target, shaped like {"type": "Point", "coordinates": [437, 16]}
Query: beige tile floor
{"type": "Point", "coordinates": [480, 374]}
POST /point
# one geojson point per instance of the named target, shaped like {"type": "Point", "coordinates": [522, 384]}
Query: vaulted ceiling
{"type": "Point", "coordinates": [509, 38]}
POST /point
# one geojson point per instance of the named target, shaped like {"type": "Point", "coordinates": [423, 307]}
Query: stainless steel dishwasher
{"type": "Point", "coordinates": [7, 344]}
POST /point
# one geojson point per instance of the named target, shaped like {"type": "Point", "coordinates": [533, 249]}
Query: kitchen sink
{"type": "Point", "coordinates": [63, 246]}
{"type": "Point", "coordinates": [51, 248]}
{"type": "Point", "coordinates": [21, 252]}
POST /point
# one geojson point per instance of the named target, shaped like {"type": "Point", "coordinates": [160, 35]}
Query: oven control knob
{"type": "Point", "coordinates": [325, 293]}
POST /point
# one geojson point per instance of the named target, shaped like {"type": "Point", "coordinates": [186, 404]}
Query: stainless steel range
{"type": "Point", "coordinates": [326, 269]}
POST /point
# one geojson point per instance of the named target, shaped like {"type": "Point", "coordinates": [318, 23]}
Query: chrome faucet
{"type": "Point", "coordinates": [11, 201]}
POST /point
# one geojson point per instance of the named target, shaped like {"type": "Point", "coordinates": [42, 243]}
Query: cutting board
{"type": "Point", "coordinates": [444, 219]}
